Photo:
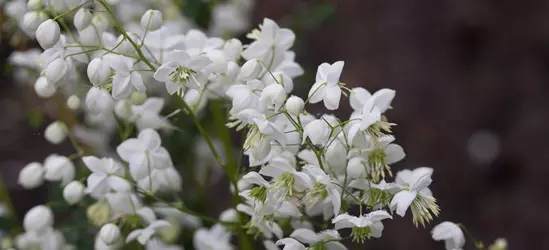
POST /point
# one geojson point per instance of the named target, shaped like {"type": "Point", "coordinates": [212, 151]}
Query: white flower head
{"type": "Point", "coordinates": [326, 87]}
{"type": "Point", "coordinates": [180, 70]}
{"type": "Point", "coordinates": [364, 226]}
{"type": "Point", "coordinates": [451, 234]}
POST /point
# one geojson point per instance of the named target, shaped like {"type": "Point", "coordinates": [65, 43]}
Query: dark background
{"type": "Point", "coordinates": [459, 68]}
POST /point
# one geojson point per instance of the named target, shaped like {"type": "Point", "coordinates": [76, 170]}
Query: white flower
{"type": "Point", "coordinates": [110, 234]}
{"type": "Point", "coordinates": [295, 105]}
{"type": "Point", "coordinates": [106, 175]}
{"type": "Point", "coordinates": [148, 115]}
{"type": "Point", "coordinates": [73, 192]}
{"type": "Point", "coordinates": [59, 168]}
{"type": "Point", "coordinates": [243, 96]}
{"type": "Point", "coordinates": [324, 240]}
{"type": "Point", "coordinates": [415, 192]}
{"type": "Point", "coordinates": [451, 234]}
{"type": "Point", "coordinates": [271, 37]}
{"type": "Point", "coordinates": [99, 71]}
{"type": "Point", "coordinates": [151, 20]}
{"type": "Point", "coordinates": [180, 70]}
{"type": "Point", "coordinates": [38, 219]}
{"type": "Point", "coordinates": [323, 188]}
{"type": "Point", "coordinates": [317, 131]}
{"type": "Point", "coordinates": [144, 154]}
{"type": "Point", "coordinates": [144, 235]}
{"type": "Point", "coordinates": [44, 88]}
{"type": "Point", "coordinates": [326, 87]}
{"type": "Point", "coordinates": [358, 97]}
{"type": "Point", "coordinates": [82, 19]}
{"type": "Point", "coordinates": [283, 172]}
{"type": "Point", "coordinates": [31, 176]}
{"type": "Point", "coordinates": [356, 168]}
{"type": "Point", "coordinates": [48, 33]}
{"type": "Point", "coordinates": [98, 100]}
{"type": "Point", "coordinates": [56, 132]}
{"type": "Point", "coordinates": [364, 226]}
{"type": "Point", "coordinates": [125, 80]}
{"type": "Point", "coordinates": [217, 238]}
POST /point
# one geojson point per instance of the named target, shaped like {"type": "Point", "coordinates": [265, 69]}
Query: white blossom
{"type": "Point", "coordinates": [451, 234]}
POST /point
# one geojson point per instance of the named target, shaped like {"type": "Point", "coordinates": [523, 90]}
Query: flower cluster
{"type": "Point", "coordinates": [127, 60]}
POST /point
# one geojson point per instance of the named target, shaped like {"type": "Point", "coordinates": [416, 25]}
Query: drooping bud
{"type": "Point", "coordinates": [151, 20]}
{"type": "Point", "coordinates": [295, 105]}
{"type": "Point", "coordinates": [233, 48]}
{"type": "Point", "coordinates": [73, 192]}
{"type": "Point", "coordinates": [56, 132]}
{"type": "Point", "coordinates": [250, 70]}
{"type": "Point", "coordinates": [273, 97]}
{"type": "Point", "coordinates": [279, 78]}
{"type": "Point", "coordinates": [109, 234]}
{"type": "Point", "coordinates": [82, 19]}
{"type": "Point", "coordinates": [48, 33]}
{"type": "Point", "coordinates": [44, 88]}
{"type": "Point", "coordinates": [73, 102]}
{"type": "Point", "coordinates": [99, 71]}
{"type": "Point", "coordinates": [34, 5]}
{"type": "Point", "coordinates": [31, 176]}
{"type": "Point", "coordinates": [38, 219]}
{"type": "Point", "coordinates": [33, 19]}
{"type": "Point", "coordinates": [98, 100]}
{"type": "Point", "coordinates": [56, 70]}
{"type": "Point", "coordinates": [59, 168]}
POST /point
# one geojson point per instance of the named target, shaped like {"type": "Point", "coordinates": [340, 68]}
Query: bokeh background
{"type": "Point", "coordinates": [472, 82]}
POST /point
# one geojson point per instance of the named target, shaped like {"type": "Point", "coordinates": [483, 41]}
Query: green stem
{"type": "Point", "coordinates": [5, 197]}
{"type": "Point", "coordinates": [122, 31]}
{"type": "Point", "coordinates": [232, 168]}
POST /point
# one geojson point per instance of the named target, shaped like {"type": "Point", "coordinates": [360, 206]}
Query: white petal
{"type": "Point", "coordinates": [163, 72]}
{"type": "Point", "coordinates": [305, 235]}
{"type": "Point", "coordinates": [128, 148]}
{"type": "Point", "coordinates": [137, 82]}
{"type": "Point", "coordinates": [402, 201]}
{"type": "Point", "coordinates": [317, 92]}
{"type": "Point", "coordinates": [172, 87]}
{"type": "Point", "coordinates": [335, 72]}
{"type": "Point", "coordinates": [199, 62]}
{"type": "Point", "coordinates": [150, 139]}
{"type": "Point", "coordinates": [121, 87]}
{"type": "Point", "coordinates": [255, 178]}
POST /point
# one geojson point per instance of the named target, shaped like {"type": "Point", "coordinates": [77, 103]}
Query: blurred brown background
{"type": "Point", "coordinates": [472, 82]}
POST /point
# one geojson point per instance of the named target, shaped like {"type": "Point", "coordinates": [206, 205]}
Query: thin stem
{"type": "Point", "coordinates": [6, 199]}
{"type": "Point", "coordinates": [122, 31]}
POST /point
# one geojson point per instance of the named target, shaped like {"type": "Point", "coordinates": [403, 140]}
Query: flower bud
{"type": "Point", "coordinates": [56, 70]}
{"type": "Point", "coordinates": [101, 22]}
{"type": "Point", "coordinates": [138, 98]}
{"type": "Point", "coordinates": [99, 213]}
{"type": "Point", "coordinates": [82, 19]}
{"type": "Point", "coordinates": [59, 168]}
{"type": "Point", "coordinates": [123, 109]}
{"type": "Point", "coordinates": [31, 176]}
{"type": "Point", "coordinates": [295, 105]}
{"type": "Point", "coordinates": [73, 192]}
{"type": "Point", "coordinates": [281, 78]}
{"type": "Point", "coordinates": [273, 96]}
{"type": "Point", "coordinates": [56, 132]}
{"type": "Point", "coordinates": [151, 20]}
{"type": "Point", "coordinates": [250, 70]}
{"type": "Point", "coordinates": [99, 71]}
{"type": "Point", "coordinates": [229, 215]}
{"type": "Point", "coordinates": [233, 48]}
{"type": "Point", "coordinates": [73, 102]}
{"type": "Point", "coordinates": [33, 19]}
{"type": "Point", "coordinates": [317, 131]}
{"type": "Point", "coordinates": [34, 5]}
{"type": "Point", "coordinates": [109, 234]}
{"type": "Point", "coordinates": [48, 33]}
{"type": "Point", "coordinates": [356, 168]}
{"type": "Point", "coordinates": [38, 219]}
{"type": "Point", "coordinates": [89, 36]}
{"type": "Point", "coordinates": [44, 88]}
{"type": "Point", "coordinates": [98, 100]}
